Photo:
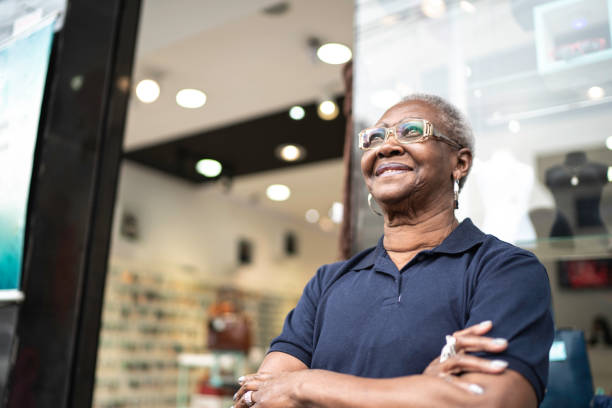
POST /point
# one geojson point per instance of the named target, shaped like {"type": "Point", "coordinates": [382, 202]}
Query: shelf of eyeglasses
{"type": "Point", "coordinates": [151, 327]}
{"type": "Point", "coordinates": [137, 381]}
{"type": "Point", "coordinates": [128, 401]}
{"type": "Point", "coordinates": [147, 345]}
{"type": "Point", "coordinates": [142, 296]}
{"type": "Point", "coordinates": [167, 282]}
{"type": "Point", "coordinates": [156, 311]}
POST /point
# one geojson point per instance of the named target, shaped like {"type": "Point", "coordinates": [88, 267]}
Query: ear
{"type": "Point", "coordinates": [464, 163]}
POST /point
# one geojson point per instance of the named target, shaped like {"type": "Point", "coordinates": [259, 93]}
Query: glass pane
{"type": "Point", "coordinates": [534, 78]}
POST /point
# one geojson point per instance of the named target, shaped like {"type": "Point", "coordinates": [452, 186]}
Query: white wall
{"type": "Point", "coordinates": [198, 227]}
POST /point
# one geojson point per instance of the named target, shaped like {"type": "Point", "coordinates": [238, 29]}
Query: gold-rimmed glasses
{"type": "Point", "coordinates": [409, 130]}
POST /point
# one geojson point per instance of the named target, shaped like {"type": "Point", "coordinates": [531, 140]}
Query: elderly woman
{"type": "Point", "coordinates": [366, 330]}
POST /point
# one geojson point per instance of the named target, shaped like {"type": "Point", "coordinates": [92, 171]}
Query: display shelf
{"type": "Point", "coordinates": [567, 248]}
{"type": "Point", "coordinates": [149, 319]}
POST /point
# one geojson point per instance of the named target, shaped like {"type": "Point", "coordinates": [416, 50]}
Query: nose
{"type": "Point", "coordinates": [390, 147]}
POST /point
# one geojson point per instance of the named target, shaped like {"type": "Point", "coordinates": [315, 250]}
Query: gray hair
{"type": "Point", "coordinates": [451, 118]}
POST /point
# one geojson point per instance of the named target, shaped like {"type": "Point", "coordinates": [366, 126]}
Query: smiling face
{"type": "Point", "coordinates": [419, 172]}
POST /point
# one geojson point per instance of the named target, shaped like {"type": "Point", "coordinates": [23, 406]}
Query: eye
{"type": "Point", "coordinates": [410, 130]}
{"type": "Point", "coordinates": [373, 137]}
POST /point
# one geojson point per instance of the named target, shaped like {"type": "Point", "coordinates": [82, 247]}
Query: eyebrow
{"type": "Point", "coordinates": [385, 124]}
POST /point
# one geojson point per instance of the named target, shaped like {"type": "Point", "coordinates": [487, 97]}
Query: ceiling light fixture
{"type": "Point", "coordinates": [328, 110]}
{"type": "Point", "coordinates": [334, 53]}
{"type": "Point", "coordinates": [610, 174]}
{"type": "Point", "coordinates": [147, 91]}
{"type": "Point", "coordinates": [514, 126]}
{"type": "Point", "coordinates": [433, 8]}
{"type": "Point", "coordinates": [596, 92]}
{"type": "Point", "coordinates": [297, 112]}
{"type": "Point", "coordinates": [467, 6]}
{"type": "Point", "coordinates": [190, 98]}
{"type": "Point", "coordinates": [312, 216]}
{"type": "Point", "coordinates": [609, 142]}
{"type": "Point", "coordinates": [209, 168]}
{"type": "Point", "coordinates": [290, 152]}
{"type": "Point", "coordinates": [278, 192]}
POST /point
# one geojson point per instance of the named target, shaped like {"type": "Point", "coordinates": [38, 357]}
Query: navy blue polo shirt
{"type": "Point", "coordinates": [365, 317]}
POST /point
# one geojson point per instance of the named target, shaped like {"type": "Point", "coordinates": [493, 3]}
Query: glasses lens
{"type": "Point", "coordinates": [372, 137]}
{"type": "Point", "coordinates": [410, 131]}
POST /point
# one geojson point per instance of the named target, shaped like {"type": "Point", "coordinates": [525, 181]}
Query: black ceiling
{"type": "Point", "coordinates": [248, 147]}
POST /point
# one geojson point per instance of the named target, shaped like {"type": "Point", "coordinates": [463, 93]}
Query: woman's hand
{"type": "Point", "coordinates": [270, 390]}
{"type": "Point", "coordinates": [470, 339]}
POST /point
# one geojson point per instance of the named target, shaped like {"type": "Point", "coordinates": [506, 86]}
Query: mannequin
{"type": "Point", "coordinates": [576, 185]}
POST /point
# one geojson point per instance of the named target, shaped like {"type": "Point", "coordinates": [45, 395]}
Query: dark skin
{"type": "Point", "coordinates": [415, 194]}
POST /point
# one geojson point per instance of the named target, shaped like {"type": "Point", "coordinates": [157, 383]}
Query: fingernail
{"type": "Point", "coordinates": [500, 342]}
{"type": "Point", "coordinates": [476, 389]}
{"type": "Point", "coordinates": [486, 323]}
{"type": "Point", "coordinates": [499, 364]}
{"type": "Point", "coordinates": [241, 379]}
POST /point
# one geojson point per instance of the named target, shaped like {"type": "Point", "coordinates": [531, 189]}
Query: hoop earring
{"type": "Point", "coordinates": [371, 206]}
{"type": "Point", "coordinates": [456, 193]}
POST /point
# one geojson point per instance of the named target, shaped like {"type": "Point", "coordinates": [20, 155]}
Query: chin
{"type": "Point", "coordinates": [389, 198]}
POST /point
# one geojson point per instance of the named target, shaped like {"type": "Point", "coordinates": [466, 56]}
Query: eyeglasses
{"type": "Point", "coordinates": [410, 130]}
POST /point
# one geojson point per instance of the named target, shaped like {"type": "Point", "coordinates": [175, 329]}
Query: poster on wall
{"type": "Point", "coordinates": [24, 59]}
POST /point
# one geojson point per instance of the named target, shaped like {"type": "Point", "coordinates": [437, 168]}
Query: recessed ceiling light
{"type": "Point", "coordinates": [209, 167]}
{"type": "Point", "coordinates": [514, 126]}
{"type": "Point", "coordinates": [609, 142]}
{"type": "Point", "coordinates": [335, 212]}
{"type": "Point", "coordinates": [278, 192]}
{"type": "Point", "coordinates": [190, 98]}
{"type": "Point", "coordinates": [312, 216]}
{"type": "Point", "coordinates": [596, 92]}
{"type": "Point", "coordinates": [328, 110]}
{"type": "Point", "coordinates": [433, 8]}
{"type": "Point", "coordinates": [147, 91]}
{"type": "Point", "coordinates": [334, 53]}
{"type": "Point", "coordinates": [290, 152]}
{"type": "Point", "coordinates": [467, 6]}
{"type": "Point", "coordinates": [297, 112]}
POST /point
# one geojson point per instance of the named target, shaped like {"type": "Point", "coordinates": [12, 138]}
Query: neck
{"type": "Point", "coordinates": [410, 233]}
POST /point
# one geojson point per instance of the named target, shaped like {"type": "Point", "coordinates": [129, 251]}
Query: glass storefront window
{"type": "Point", "coordinates": [535, 80]}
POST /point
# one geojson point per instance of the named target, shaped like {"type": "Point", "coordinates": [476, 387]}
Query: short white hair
{"type": "Point", "coordinates": [451, 118]}
{"type": "Point", "coordinates": [457, 126]}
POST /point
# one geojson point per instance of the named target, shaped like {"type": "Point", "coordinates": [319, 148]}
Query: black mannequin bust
{"type": "Point", "coordinates": [576, 186]}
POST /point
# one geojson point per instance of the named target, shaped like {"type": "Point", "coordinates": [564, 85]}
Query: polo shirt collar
{"type": "Point", "coordinates": [463, 238]}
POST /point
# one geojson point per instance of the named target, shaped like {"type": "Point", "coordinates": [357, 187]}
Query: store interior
{"type": "Point", "coordinates": [179, 237]}
{"type": "Point", "coordinates": [184, 243]}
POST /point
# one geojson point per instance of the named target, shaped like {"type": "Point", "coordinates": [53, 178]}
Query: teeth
{"type": "Point", "coordinates": [392, 171]}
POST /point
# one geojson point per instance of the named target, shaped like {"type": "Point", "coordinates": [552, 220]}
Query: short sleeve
{"type": "Point", "coordinates": [512, 290]}
{"type": "Point", "coordinates": [296, 339]}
